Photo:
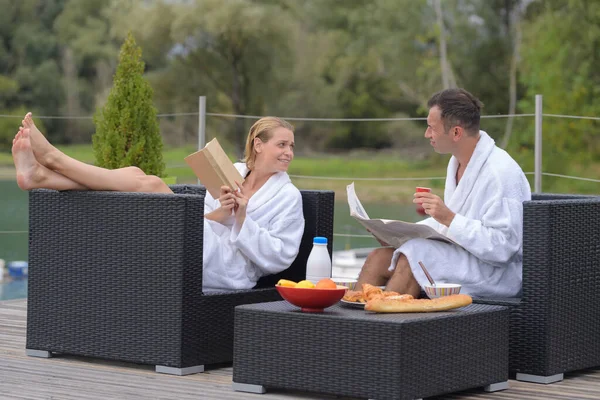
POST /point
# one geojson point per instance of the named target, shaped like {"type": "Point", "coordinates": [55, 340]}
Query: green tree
{"type": "Point", "coordinates": [88, 51]}
{"type": "Point", "coordinates": [127, 131]}
{"type": "Point", "coordinates": [563, 68]}
{"type": "Point", "coordinates": [29, 72]}
{"type": "Point", "coordinates": [232, 50]}
{"type": "Point", "coordinates": [368, 56]}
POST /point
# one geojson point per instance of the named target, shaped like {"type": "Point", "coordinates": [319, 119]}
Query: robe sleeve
{"type": "Point", "coordinates": [498, 235]}
{"type": "Point", "coordinates": [430, 222]}
{"type": "Point", "coordinates": [273, 248]}
{"type": "Point", "coordinates": [219, 229]}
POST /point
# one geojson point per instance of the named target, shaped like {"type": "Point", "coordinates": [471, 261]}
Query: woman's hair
{"type": "Point", "coordinates": [262, 129]}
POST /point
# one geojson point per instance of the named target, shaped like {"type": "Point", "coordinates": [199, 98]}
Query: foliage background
{"type": "Point", "coordinates": [318, 59]}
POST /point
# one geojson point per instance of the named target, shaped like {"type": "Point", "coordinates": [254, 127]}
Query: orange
{"type": "Point", "coordinates": [326, 283]}
{"type": "Point", "coordinates": [305, 284]}
{"type": "Point", "coordinates": [286, 283]}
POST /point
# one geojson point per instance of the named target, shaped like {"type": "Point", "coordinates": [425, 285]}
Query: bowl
{"type": "Point", "coordinates": [311, 299]}
{"type": "Point", "coordinates": [345, 282]}
{"type": "Point", "coordinates": [442, 289]}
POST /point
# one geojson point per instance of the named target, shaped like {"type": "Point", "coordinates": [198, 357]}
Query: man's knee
{"type": "Point", "coordinates": [379, 259]}
{"type": "Point", "coordinates": [403, 268]}
{"type": "Point", "coordinates": [402, 261]}
{"type": "Point", "coordinates": [382, 254]}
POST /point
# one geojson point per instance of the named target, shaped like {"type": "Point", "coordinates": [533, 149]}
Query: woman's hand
{"type": "Point", "coordinates": [241, 203]}
{"type": "Point", "coordinates": [434, 207]}
{"type": "Point", "coordinates": [228, 203]}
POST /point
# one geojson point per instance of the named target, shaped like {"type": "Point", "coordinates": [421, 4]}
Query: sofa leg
{"type": "Point", "coordinates": [161, 369]}
{"type": "Point", "coordinates": [249, 388]}
{"type": "Point", "coordinates": [494, 387]}
{"type": "Point", "coordinates": [38, 353]}
{"type": "Point", "coordinates": [540, 379]}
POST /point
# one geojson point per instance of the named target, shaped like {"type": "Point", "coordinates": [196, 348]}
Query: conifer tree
{"type": "Point", "coordinates": [127, 131]}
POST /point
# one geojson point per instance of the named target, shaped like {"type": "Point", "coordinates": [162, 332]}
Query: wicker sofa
{"type": "Point", "coordinates": [119, 275]}
{"type": "Point", "coordinates": [555, 325]}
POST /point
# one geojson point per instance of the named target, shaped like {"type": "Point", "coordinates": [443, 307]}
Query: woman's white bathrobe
{"type": "Point", "coordinates": [267, 242]}
{"type": "Point", "coordinates": [488, 203]}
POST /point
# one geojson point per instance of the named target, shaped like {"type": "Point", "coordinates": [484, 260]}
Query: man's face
{"type": "Point", "coordinates": [439, 139]}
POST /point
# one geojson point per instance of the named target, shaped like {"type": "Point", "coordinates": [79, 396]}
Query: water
{"type": "Point", "coordinates": [14, 213]}
{"type": "Point", "coordinates": [343, 223]}
{"type": "Point", "coordinates": [14, 225]}
{"type": "Point", "coordinates": [16, 289]}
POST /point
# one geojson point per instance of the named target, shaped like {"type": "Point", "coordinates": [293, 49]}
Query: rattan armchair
{"type": "Point", "coordinates": [555, 325]}
{"type": "Point", "coordinates": [119, 276]}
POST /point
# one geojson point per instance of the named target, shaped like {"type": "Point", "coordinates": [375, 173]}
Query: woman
{"type": "Point", "coordinates": [249, 233]}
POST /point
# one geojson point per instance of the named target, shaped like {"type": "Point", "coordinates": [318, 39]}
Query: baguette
{"type": "Point", "coordinates": [398, 304]}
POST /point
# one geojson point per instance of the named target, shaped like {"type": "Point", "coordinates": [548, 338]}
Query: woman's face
{"type": "Point", "coordinates": [277, 153]}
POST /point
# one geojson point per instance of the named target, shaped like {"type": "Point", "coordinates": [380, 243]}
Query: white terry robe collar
{"type": "Point", "coordinates": [267, 191]}
{"type": "Point", "coordinates": [455, 196]}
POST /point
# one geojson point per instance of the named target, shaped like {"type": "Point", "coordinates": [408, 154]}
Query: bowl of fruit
{"type": "Point", "coordinates": [311, 297]}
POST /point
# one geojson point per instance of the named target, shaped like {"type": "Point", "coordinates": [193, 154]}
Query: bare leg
{"type": "Point", "coordinates": [129, 179]}
{"type": "Point", "coordinates": [31, 174]}
{"type": "Point", "coordinates": [375, 270]}
{"type": "Point", "coordinates": [403, 280]}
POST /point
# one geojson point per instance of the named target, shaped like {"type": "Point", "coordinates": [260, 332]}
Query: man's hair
{"type": "Point", "coordinates": [459, 108]}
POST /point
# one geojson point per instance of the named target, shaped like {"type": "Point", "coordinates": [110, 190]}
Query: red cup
{"type": "Point", "coordinates": [420, 209]}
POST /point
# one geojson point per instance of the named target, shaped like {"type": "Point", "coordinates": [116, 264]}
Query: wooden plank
{"type": "Point", "coordinates": [73, 377]}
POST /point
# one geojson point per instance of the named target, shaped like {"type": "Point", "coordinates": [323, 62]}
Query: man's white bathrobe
{"type": "Point", "coordinates": [267, 242]}
{"type": "Point", "coordinates": [488, 203]}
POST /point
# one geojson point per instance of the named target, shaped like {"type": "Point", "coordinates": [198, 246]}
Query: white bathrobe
{"type": "Point", "coordinates": [267, 242]}
{"type": "Point", "coordinates": [488, 203]}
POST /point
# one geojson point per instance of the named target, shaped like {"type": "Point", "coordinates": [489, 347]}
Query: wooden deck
{"type": "Point", "coordinates": [68, 377]}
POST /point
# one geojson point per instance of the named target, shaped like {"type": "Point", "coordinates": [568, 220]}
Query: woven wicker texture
{"type": "Point", "coordinates": [119, 276]}
{"type": "Point", "coordinates": [351, 352]}
{"type": "Point", "coordinates": [554, 328]}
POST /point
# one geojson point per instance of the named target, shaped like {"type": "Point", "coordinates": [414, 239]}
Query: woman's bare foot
{"type": "Point", "coordinates": [29, 171]}
{"type": "Point", "coordinates": [18, 135]}
{"type": "Point", "coordinates": [42, 149]}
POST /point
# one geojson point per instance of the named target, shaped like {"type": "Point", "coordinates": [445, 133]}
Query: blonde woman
{"type": "Point", "coordinates": [249, 233]}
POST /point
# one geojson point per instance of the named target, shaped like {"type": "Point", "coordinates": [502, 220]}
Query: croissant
{"type": "Point", "coordinates": [391, 296]}
{"type": "Point", "coordinates": [370, 291]}
{"type": "Point", "coordinates": [354, 296]}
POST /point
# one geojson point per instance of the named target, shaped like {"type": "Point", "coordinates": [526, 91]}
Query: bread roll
{"type": "Point", "coordinates": [398, 304]}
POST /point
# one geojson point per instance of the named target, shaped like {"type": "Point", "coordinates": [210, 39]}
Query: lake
{"type": "Point", "coordinates": [344, 224]}
{"type": "Point", "coordinates": [14, 213]}
{"type": "Point", "coordinates": [13, 290]}
{"type": "Point", "coordinates": [14, 222]}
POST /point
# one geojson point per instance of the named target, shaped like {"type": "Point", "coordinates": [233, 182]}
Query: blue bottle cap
{"type": "Point", "coordinates": [320, 240]}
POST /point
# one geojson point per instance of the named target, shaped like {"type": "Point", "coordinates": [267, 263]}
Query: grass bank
{"type": "Point", "coordinates": [397, 178]}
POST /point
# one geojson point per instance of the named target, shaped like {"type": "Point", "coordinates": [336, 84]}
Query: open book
{"type": "Point", "coordinates": [214, 169]}
{"type": "Point", "coordinates": [394, 233]}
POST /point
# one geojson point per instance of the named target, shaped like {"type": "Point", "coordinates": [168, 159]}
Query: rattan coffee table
{"type": "Point", "coordinates": [351, 352]}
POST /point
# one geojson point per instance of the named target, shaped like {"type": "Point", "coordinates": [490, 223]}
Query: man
{"type": "Point", "coordinates": [482, 212]}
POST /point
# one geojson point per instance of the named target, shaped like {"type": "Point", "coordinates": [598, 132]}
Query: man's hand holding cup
{"type": "Point", "coordinates": [420, 209]}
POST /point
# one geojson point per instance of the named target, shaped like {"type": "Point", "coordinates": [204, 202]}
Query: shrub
{"type": "Point", "coordinates": [127, 131]}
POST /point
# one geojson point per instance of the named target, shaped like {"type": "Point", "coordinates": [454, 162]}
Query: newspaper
{"type": "Point", "coordinates": [394, 233]}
